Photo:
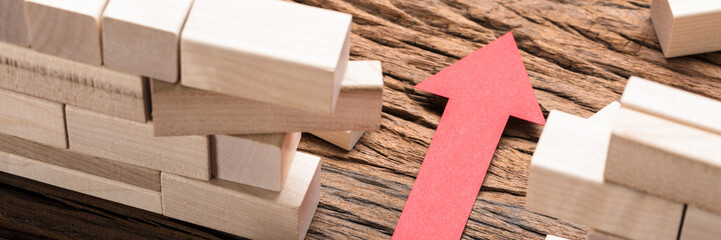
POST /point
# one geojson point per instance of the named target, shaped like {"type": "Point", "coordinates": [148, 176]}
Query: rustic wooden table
{"type": "Point", "coordinates": [579, 55]}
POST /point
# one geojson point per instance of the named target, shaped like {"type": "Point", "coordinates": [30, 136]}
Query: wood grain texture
{"type": "Point", "coordinates": [247, 211]}
{"type": "Point", "coordinates": [67, 29]}
{"type": "Point", "coordinates": [60, 80]}
{"type": "Point", "coordinates": [13, 26]}
{"type": "Point", "coordinates": [600, 235]}
{"type": "Point", "coordinates": [259, 160]}
{"type": "Point", "coordinates": [179, 110]}
{"type": "Point", "coordinates": [687, 27]}
{"type": "Point", "coordinates": [579, 55]}
{"type": "Point", "coordinates": [290, 54]}
{"type": "Point", "coordinates": [32, 118]}
{"type": "Point", "coordinates": [343, 139]}
{"type": "Point", "coordinates": [142, 37]}
{"type": "Point", "coordinates": [700, 224]}
{"type": "Point", "coordinates": [133, 143]}
{"type": "Point", "coordinates": [665, 158]}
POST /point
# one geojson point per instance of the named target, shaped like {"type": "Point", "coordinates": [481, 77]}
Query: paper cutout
{"type": "Point", "coordinates": [484, 89]}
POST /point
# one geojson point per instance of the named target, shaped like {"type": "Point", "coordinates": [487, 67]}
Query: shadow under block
{"type": "Point", "coordinates": [288, 54]}
{"type": "Point", "coordinates": [343, 139]}
{"type": "Point", "coordinates": [133, 143]}
{"type": "Point", "coordinates": [700, 225]}
{"type": "Point", "coordinates": [566, 181]}
{"type": "Point", "coordinates": [179, 110]}
{"type": "Point", "coordinates": [247, 211]}
{"type": "Point", "coordinates": [67, 29]}
{"type": "Point", "coordinates": [665, 158]}
{"type": "Point", "coordinates": [60, 80]}
{"type": "Point", "coordinates": [32, 118]}
{"type": "Point", "coordinates": [685, 27]}
{"type": "Point", "coordinates": [142, 36]}
{"type": "Point", "coordinates": [13, 26]}
{"type": "Point", "coordinates": [82, 182]}
{"type": "Point", "coordinates": [259, 160]}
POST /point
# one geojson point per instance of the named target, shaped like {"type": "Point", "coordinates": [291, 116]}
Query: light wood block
{"type": "Point", "coordinates": [699, 224]}
{"type": "Point", "coordinates": [142, 36]}
{"type": "Point", "coordinates": [551, 237]}
{"type": "Point", "coordinates": [112, 170]}
{"type": "Point", "coordinates": [179, 110]}
{"type": "Point", "coordinates": [67, 29]}
{"type": "Point", "coordinates": [665, 158]}
{"type": "Point", "coordinates": [59, 80]}
{"type": "Point", "coordinates": [566, 181]}
{"type": "Point", "coordinates": [260, 160]}
{"type": "Point", "coordinates": [288, 54]}
{"type": "Point", "coordinates": [687, 27]}
{"type": "Point", "coordinates": [600, 235]}
{"type": "Point", "coordinates": [343, 139]}
{"type": "Point", "coordinates": [13, 26]}
{"type": "Point", "coordinates": [673, 104]}
{"type": "Point", "coordinates": [133, 143]}
{"type": "Point", "coordinates": [247, 211]}
{"type": "Point", "coordinates": [32, 118]}
{"type": "Point", "coordinates": [89, 184]}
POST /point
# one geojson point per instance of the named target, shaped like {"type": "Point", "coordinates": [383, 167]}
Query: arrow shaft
{"type": "Point", "coordinates": [451, 174]}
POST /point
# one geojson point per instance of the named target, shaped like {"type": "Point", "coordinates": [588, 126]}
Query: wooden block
{"type": "Point", "coordinates": [687, 27]}
{"type": "Point", "coordinates": [288, 54]}
{"type": "Point", "coordinates": [566, 181]}
{"type": "Point", "coordinates": [551, 237]}
{"type": "Point", "coordinates": [67, 29]}
{"type": "Point", "coordinates": [260, 160]}
{"type": "Point", "coordinates": [179, 110]}
{"type": "Point", "coordinates": [133, 143]}
{"type": "Point", "coordinates": [343, 139]}
{"type": "Point", "coordinates": [59, 80]}
{"type": "Point", "coordinates": [32, 118]}
{"type": "Point", "coordinates": [142, 36]}
{"type": "Point", "coordinates": [665, 158]}
{"type": "Point", "coordinates": [112, 170]}
{"type": "Point", "coordinates": [13, 26]}
{"type": "Point", "coordinates": [699, 224]}
{"type": "Point", "coordinates": [600, 235]}
{"type": "Point", "coordinates": [89, 184]}
{"type": "Point", "coordinates": [247, 211]}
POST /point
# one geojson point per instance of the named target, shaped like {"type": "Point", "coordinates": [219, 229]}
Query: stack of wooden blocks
{"type": "Point", "coordinates": [647, 168]}
{"type": "Point", "coordinates": [191, 109]}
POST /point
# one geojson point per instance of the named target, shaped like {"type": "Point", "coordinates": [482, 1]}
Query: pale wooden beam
{"type": "Point", "coordinates": [248, 211]}
{"type": "Point", "coordinates": [67, 29]}
{"type": "Point", "coordinates": [685, 27]}
{"type": "Point", "coordinates": [32, 118]}
{"type": "Point", "coordinates": [700, 224]}
{"type": "Point", "coordinates": [343, 139]}
{"type": "Point", "coordinates": [13, 26]}
{"type": "Point", "coordinates": [142, 36]}
{"type": "Point", "coordinates": [288, 54]}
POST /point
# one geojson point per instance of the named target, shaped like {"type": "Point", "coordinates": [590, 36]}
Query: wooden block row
{"type": "Point", "coordinates": [32, 118]}
{"type": "Point", "coordinates": [289, 54]}
{"type": "Point", "coordinates": [13, 27]}
{"type": "Point", "coordinates": [60, 80]}
{"type": "Point", "coordinates": [247, 211]}
{"type": "Point", "coordinates": [260, 160]}
{"type": "Point", "coordinates": [687, 27]}
{"type": "Point", "coordinates": [699, 224]}
{"type": "Point", "coordinates": [343, 139]}
{"type": "Point", "coordinates": [179, 110]}
{"type": "Point", "coordinates": [567, 181]}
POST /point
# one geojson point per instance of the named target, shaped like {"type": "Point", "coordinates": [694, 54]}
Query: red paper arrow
{"type": "Point", "coordinates": [484, 89]}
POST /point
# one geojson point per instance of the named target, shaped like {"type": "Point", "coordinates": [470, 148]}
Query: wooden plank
{"type": "Point", "coordinates": [179, 110]}
{"type": "Point", "coordinates": [13, 26]}
{"type": "Point", "coordinates": [260, 160]}
{"type": "Point", "coordinates": [111, 170]}
{"type": "Point", "coordinates": [67, 29]}
{"type": "Point", "coordinates": [685, 27]}
{"type": "Point", "coordinates": [566, 181]}
{"type": "Point", "coordinates": [89, 184]}
{"type": "Point", "coordinates": [665, 158]}
{"type": "Point", "coordinates": [671, 103]}
{"type": "Point", "coordinates": [291, 55]}
{"type": "Point", "coordinates": [142, 36]}
{"type": "Point", "coordinates": [699, 224]}
{"type": "Point", "coordinates": [32, 118]}
{"type": "Point", "coordinates": [133, 143]}
{"type": "Point", "coordinates": [343, 139]}
{"type": "Point", "coordinates": [594, 234]}
{"type": "Point", "coordinates": [247, 211]}
{"type": "Point", "coordinates": [59, 80]}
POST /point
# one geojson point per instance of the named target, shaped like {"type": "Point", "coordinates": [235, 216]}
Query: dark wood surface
{"type": "Point", "coordinates": [579, 55]}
